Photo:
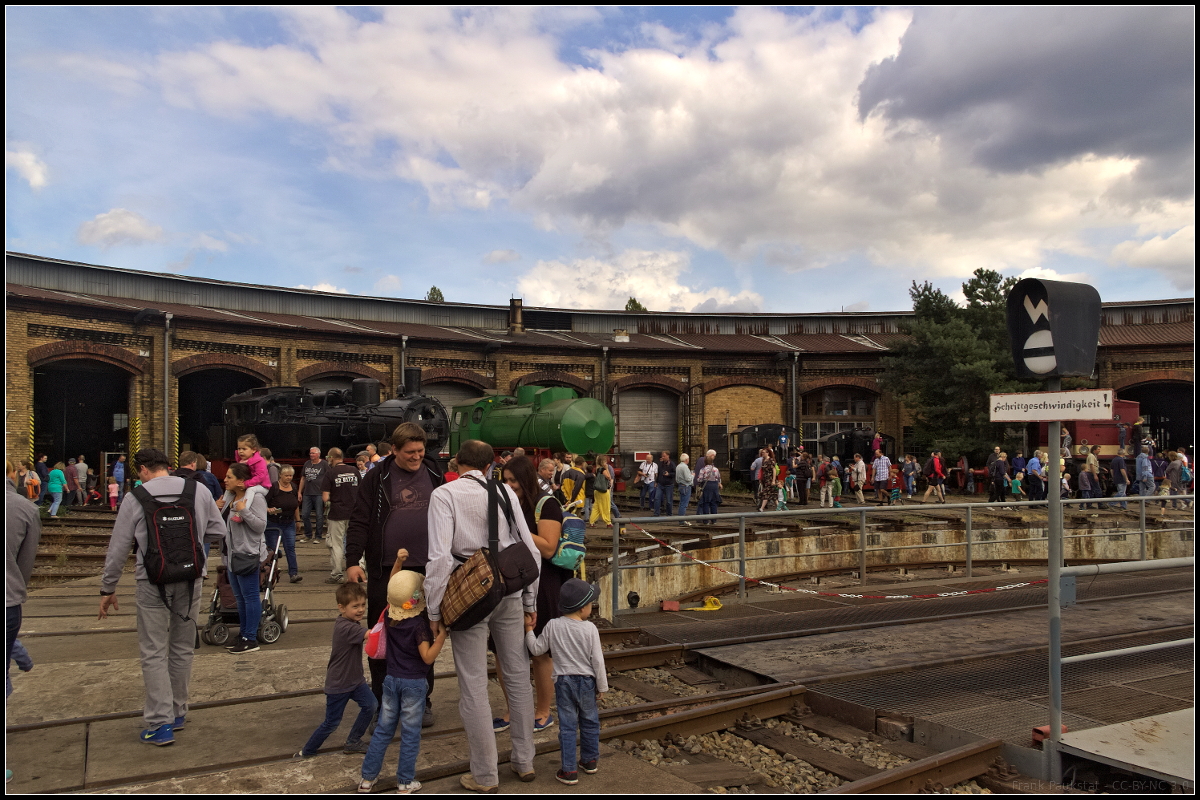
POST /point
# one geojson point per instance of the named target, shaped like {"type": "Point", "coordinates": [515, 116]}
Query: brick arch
{"type": "Point", "coordinates": [326, 369]}
{"type": "Point", "coordinates": [739, 380]}
{"type": "Point", "coordinates": [650, 381]}
{"type": "Point", "coordinates": [463, 376]}
{"type": "Point", "coordinates": [870, 384]}
{"type": "Point", "coordinates": [89, 351]}
{"type": "Point", "coordinates": [230, 361]}
{"type": "Point", "coordinates": [1154, 376]}
{"type": "Point", "coordinates": [578, 384]}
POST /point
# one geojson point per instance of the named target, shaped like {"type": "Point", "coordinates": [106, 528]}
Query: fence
{"type": "Point", "coordinates": [967, 546]}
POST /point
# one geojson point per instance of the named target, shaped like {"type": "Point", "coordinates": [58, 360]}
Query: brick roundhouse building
{"type": "Point", "coordinates": [107, 359]}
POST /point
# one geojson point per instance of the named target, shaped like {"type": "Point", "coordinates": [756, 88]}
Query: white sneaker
{"type": "Point", "coordinates": [408, 788]}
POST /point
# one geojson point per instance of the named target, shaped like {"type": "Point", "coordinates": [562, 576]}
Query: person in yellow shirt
{"type": "Point", "coordinates": [600, 497]}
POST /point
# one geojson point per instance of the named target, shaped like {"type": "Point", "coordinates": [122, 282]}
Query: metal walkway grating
{"type": "Point", "coordinates": [1005, 697]}
{"type": "Point", "coordinates": [807, 613]}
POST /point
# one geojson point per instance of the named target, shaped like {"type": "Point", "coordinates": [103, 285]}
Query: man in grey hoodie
{"type": "Point", "coordinates": [22, 529]}
{"type": "Point", "coordinates": [166, 631]}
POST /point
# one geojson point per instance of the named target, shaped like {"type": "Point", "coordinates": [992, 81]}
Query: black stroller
{"type": "Point", "coordinates": [223, 612]}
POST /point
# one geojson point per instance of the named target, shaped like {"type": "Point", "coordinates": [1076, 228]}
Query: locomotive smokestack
{"type": "Point", "coordinates": [516, 325]}
{"type": "Point", "coordinates": [412, 380]}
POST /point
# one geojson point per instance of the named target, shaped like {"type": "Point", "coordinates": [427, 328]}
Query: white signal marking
{"type": "Point", "coordinates": [1038, 311]}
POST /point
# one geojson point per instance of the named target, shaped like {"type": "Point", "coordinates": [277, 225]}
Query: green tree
{"type": "Point", "coordinates": [634, 305]}
{"type": "Point", "coordinates": [953, 358]}
{"type": "Point", "coordinates": [435, 295]}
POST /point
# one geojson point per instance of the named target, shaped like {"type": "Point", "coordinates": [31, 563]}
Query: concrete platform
{"type": "Point", "coordinates": [1162, 746]}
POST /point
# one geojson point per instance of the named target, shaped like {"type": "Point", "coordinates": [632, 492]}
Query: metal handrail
{"type": "Point", "coordinates": [863, 512]}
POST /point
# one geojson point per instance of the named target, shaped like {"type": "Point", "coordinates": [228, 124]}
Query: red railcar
{"type": "Point", "coordinates": [1108, 434]}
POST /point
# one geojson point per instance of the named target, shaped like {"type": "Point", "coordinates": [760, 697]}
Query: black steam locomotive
{"type": "Point", "coordinates": [289, 420]}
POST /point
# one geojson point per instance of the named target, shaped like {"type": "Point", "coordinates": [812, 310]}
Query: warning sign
{"type": "Point", "coordinates": [1093, 404]}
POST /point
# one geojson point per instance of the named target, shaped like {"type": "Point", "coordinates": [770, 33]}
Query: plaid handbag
{"type": "Point", "coordinates": [478, 585]}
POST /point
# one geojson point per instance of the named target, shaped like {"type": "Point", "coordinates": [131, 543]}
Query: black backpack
{"type": "Point", "coordinates": [172, 550]}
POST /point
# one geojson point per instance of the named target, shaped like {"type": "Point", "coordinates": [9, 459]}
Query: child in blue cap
{"type": "Point", "coordinates": [579, 677]}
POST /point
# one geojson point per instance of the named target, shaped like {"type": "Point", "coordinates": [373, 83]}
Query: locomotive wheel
{"type": "Point", "coordinates": [218, 634]}
{"type": "Point", "coordinates": [269, 631]}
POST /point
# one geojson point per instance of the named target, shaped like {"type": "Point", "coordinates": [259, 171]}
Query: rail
{"type": "Point", "coordinates": [968, 545]}
{"type": "Point", "coordinates": [1066, 595]}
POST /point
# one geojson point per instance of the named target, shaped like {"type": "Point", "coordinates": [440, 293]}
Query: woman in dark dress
{"type": "Point", "coordinates": [546, 527]}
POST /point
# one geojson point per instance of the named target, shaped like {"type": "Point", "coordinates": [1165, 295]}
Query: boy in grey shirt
{"type": "Point", "coordinates": [579, 677]}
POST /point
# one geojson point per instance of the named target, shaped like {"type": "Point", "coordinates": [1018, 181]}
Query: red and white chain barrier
{"type": "Point", "coordinates": [668, 546]}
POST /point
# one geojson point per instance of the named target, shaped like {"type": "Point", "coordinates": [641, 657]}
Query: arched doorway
{"type": "Point", "coordinates": [201, 394]}
{"type": "Point", "coordinates": [451, 394]}
{"type": "Point", "coordinates": [647, 419]}
{"type": "Point", "coordinates": [1169, 410]}
{"type": "Point", "coordinates": [80, 406]}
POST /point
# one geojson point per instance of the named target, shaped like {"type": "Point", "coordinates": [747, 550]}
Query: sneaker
{"type": "Point", "coordinates": [569, 778]}
{"type": "Point", "coordinates": [178, 724]}
{"type": "Point", "coordinates": [337, 581]}
{"type": "Point", "coordinates": [365, 786]}
{"type": "Point", "coordinates": [296, 578]}
{"type": "Point", "coordinates": [244, 646]}
{"type": "Point", "coordinates": [300, 756]}
{"type": "Point", "coordinates": [427, 719]}
{"type": "Point", "coordinates": [162, 735]}
{"type": "Point", "coordinates": [350, 748]}
{"type": "Point", "coordinates": [541, 726]}
{"type": "Point", "coordinates": [468, 782]}
{"type": "Point", "coordinates": [525, 777]}
{"type": "Point", "coordinates": [408, 788]}
{"type": "Point", "coordinates": [500, 725]}
{"type": "Point", "coordinates": [590, 767]}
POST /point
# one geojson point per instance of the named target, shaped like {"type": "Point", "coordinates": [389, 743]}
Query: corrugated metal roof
{"type": "Point", "coordinates": [1170, 333]}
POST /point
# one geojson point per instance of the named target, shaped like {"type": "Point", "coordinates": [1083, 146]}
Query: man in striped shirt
{"type": "Point", "coordinates": [882, 466]}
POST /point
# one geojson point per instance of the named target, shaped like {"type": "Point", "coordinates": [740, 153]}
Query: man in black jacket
{"type": "Point", "coordinates": [665, 484]}
{"type": "Point", "coordinates": [391, 512]}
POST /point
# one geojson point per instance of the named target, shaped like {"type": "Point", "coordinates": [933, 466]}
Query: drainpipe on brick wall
{"type": "Point", "coordinates": [795, 377]}
{"type": "Point", "coordinates": [403, 361]}
{"type": "Point", "coordinates": [604, 375]}
{"type": "Point", "coordinates": [167, 384]}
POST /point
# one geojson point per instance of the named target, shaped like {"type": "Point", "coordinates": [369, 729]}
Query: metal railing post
{"type": "Point", "coordinates": [862, 547]}
{"type": "Point", "coordinates": [1054, 548]}
{"type": "Point", "coordinates": [1142, 524]}
{"type": "Point", "coordinates": [742, 557]}
{"type": "Point", "coordinates": [970, 573]}
{"type": "Point", "coordinates": [616, 568]}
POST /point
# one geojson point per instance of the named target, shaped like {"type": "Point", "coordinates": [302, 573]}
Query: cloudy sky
{"type": "Point", "coordinates": [713, 159]}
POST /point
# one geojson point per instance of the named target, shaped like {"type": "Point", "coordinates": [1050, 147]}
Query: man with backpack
{"type": "Point", "coordinates": [165, 524]}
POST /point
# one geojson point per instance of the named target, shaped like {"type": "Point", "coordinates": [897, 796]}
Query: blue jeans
{"type": "Point", "coordinates": [647, 494]}
{"type": "Point", "coordinates": [311, 502]}
{"type": "Point", "coordinates": [55, 501]}
{"type": "Point", "coordinates": [1146, 487]}
{"type": "Point", "coordinates": [249, 603]}
{"type": "Point", "coordinates": [403, 703]}
{"type": "Point", "coordinates": [578, 719]}
{"type": "Point", "coordinates": [335, 706]}
{"type": "Point", "coordinates": [685, 495]}
{"type": "Point", "coordinates": [288, 531]}
{"type": "Point", "coordinates": [1120, 492]}
{"type": "Point", "coordinates": [664, 498]}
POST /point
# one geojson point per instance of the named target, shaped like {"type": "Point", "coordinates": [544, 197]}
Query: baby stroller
{"type": "Point", "coordinates": [223, 611]}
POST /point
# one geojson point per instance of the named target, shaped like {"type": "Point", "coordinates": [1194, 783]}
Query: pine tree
{"type": "Point", "coordinates": [634, 305]}
{"type": "Point", "coordinates": [952, 360]}
{"type": "Point", "coordinates": [435, 295]}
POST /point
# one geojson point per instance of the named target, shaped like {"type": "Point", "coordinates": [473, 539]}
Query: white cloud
{"type": "Point", "coordinates": [1174, 255]}
{"type": "Point", "coordinates": [653, 277]}
{"type": "Point", "coordinates": [388, 285]}
{"type": "Point", "coordinates": [501, 256]}
{"type": "Point", "coordinates": [1045, 273]}
{"type": "Point", "coordinates": [323, 287]}
{"type": "Point", "coordinates": [749, 141]}
{"type": "Point", "coordinates": [117, 227]}
{"type": "Point", "coordinates": [206, 242]}
{"type": "Point", "coordinates": [26, 163]}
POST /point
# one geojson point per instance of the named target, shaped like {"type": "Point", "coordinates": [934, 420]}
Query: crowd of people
{"type": "Point", "coordinates": [396, 526]}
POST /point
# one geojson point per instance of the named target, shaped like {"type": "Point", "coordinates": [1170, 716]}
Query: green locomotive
{"type": "Point", "coordinates": [545, 419]}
